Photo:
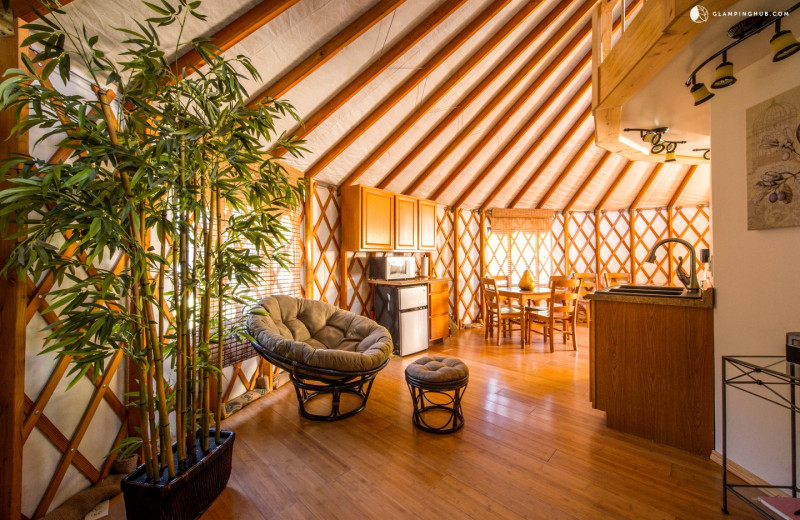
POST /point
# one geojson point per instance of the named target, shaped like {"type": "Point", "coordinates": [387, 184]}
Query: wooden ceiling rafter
{"type": "Point", "coordinates": [236, 31]}
{"type": "Point", "coordinates": [378, 66]}
{"type": "Point", "coordinates": [442, 90]}
{"type": "Point", "coordinates": [616, 182]}
{"type": "Point", "coordinates": [326, 51]}
{"type": "Point", "coordinates": [587, 181]}
{"type": "Point", "coordinates": [566, 170]}
{"type": "Point", "coordinates": [682, 186]}
{"type": "Point", "coordinates": [502, 93]}
{"type": "Point", "coordinates": [516, 104]}
{"type": "Point", "coordinates": [24, 9]}
{"type": "Point", "coordinates": [407, 86]}
{"type": "Point", "coordinates": [500, 122]}
{"type": "Point", "coordinates": [554, 124]}
{"type": "Point", "coordinates": [646, 186]}
{"type": "Point", "coordinates": [566, 138]}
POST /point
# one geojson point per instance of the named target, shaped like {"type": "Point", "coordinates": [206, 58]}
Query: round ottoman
{"type": "Point", "coordinates": [437, 384]}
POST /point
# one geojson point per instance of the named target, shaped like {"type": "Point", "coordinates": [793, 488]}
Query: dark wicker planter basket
{"type": "Point", "coordinates": [186, 496]}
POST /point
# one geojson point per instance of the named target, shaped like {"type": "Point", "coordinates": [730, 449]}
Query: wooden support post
{"type": "Point", "coordinates": [482, 252]}
{"type": "Point", "coordinates": [456, 268]}
{"type": "Point", "coordinates": [597, 215]}
{"type": "Point", "coordinates": [566, 244]}
{"type": "Point", "coordinates": [670, 234]}
{"type": "Point", "coordinates": [12, 321]}
{"type": "Point", "coordinates": [631, 213]}
{"type": "Point", "coordinates": [343, 273]}
{"type": "Point", "coordinates": [309, 237]}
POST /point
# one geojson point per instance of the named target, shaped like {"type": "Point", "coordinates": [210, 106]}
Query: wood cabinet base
{"type": "Point", "coordinates": [652, 372]}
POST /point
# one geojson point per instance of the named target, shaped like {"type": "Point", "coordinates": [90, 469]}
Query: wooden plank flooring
{"type": "Point", "coordinates": [532, 448]}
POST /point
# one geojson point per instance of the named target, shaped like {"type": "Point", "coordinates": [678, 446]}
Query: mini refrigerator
{"type": "Point", "coordinates": [403, 310]}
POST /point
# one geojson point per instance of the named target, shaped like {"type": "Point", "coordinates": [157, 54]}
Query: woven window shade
{"type": "Point", "coordinates": [505, 221]}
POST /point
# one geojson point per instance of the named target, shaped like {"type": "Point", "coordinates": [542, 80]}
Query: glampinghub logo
{"type": "Point", "coordinates": [698, 14]}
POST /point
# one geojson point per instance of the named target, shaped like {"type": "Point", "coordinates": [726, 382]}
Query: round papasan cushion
{"type": "Point", "coordinates": [316, 334]}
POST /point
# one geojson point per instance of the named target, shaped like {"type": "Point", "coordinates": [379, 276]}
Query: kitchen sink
{"type": "Point", "coordinates": [652, 291]}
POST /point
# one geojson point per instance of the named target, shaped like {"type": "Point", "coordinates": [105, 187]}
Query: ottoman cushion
{"type": "Point", "coordinates": [437, 369]}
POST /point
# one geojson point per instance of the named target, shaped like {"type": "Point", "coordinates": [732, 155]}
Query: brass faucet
{"type": "Point", "coordinates": [688, 280]}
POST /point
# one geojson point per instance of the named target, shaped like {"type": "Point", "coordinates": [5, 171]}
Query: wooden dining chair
{"type": "Point", "coordinates": [611, 279]}
{"type": "Point", "coordinates": [588, 286]}
{"type": "Point", "coordinates": [560, 316]}
{"type": "Point", "coordinates": [499, 312]}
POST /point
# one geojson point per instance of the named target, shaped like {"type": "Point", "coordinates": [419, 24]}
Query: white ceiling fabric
{"type": "Point", "coordinates": [285, 41]}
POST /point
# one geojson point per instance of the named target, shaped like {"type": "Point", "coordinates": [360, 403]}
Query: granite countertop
{"type": "Point", "coordinates": [420, 280]}
{"type": "Point", "coordinates": [706, 302]}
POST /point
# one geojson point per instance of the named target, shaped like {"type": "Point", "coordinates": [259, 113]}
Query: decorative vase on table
{"type": "Point", "coordinates": [526, 282]}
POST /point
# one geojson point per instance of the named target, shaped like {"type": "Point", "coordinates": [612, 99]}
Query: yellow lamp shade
{"type": "Point", "coordinates": [701, 94]}
{"type": "Point", "coordinates": [651, 137]}
{"type": "Point", "coordinates": [784, 44]}
{"type": "Point", "coordinates": [724, 75]}
{"type": "Point", "coordinates": [670, 157]}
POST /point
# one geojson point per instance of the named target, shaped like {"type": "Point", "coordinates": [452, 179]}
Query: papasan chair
{"type": "Point", "coordinates": [327, 351]}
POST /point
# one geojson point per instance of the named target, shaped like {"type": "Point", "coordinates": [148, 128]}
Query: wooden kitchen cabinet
{"type": "Point", "coordinates": [438, 310]}
{"type": "Point", "coordinates": [426, 239]}
{"type": "Point", "coordinates": [367, 219]}
{"type": "Point", "coordinates": [405, 223]}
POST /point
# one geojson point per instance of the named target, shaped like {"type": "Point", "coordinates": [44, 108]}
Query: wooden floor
{"type": "Point", "coordinates": [532, 447]}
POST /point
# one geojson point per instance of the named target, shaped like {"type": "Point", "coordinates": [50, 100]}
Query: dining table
{"type": "Point", "coordinates": [524, 296]}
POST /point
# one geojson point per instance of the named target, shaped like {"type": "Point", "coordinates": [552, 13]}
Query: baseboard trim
{"type": "Point", "coordinates": [748, 476]}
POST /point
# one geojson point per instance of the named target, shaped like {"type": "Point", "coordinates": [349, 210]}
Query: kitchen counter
{"type": "Point", "coordinates": [413, 281]}
{"type": "Point", "coordinates": [706, 302]}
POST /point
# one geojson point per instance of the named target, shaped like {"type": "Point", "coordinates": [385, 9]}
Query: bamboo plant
{"type": "Point", "coordinates": [167, 167]}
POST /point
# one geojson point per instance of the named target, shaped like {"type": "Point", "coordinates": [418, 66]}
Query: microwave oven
{"type": "Point", "coordinates": [392, 268]}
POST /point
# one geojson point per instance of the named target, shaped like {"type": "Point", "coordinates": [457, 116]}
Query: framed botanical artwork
{"type": "Point", "coordinates": [773, 162]}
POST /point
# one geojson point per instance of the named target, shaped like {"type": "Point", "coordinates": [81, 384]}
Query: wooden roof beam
{"type": "Point", "coordinates": [587, 181]}
{"type": "Point", "coordinates": [682, 186]}
{"type": "Point", "coordinates": [534, 147]}
{"type": "Point", "coordinates": [646, 187]}
{"type": "Point", "coordinates": [378, 66]}
{"type": "Point", "coordinates": [407, 86]}
{"type": "Point", "coordinates": [235, 32]}
{"type": "Point", "coordinates": [617, 181]}
{"type": "Point", "coordinates": [576, 126]}
{"type": "Point", "coordinates": [326, 51]}
{"type": "Point", "coordinates": [566, 170]}
{"type": "Point", "coordinates": [442, 90]}
{"type": "Point", "coordinates": [25, 9]}
{"type": "Point", "coordinates": [515, 106]}
{"type": "Point", "coordinates": [502, 93]}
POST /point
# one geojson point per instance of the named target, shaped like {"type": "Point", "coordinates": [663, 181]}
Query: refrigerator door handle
{"type": "Point", "coordinates": [414, 309]}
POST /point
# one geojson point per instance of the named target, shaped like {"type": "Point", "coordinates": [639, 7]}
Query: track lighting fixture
{"type": "Point", "coordinates": [783, 44]}
{"type": "Point", "coordinates": [651, 136]}
{"type": "Point", "coordinates": [706, 152]}
{"type": "Point", "coordinates": [723, 76]}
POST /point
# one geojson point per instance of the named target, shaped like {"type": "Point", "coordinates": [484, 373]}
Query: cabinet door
{"type": "Point", "coordinates": [377, 216]}
{"type": "Point", "coordinates": [405, 222]}
{"type": "Point", "coordinates": [427, 224]}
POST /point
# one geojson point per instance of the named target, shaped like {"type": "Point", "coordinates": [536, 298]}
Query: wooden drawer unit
{"type": "Point", "coordinates": [426, 239]}
{"type": "Point", "coordinates": [405, 223]}
{"type": "Point", "coordinates": [367, 219]}
{"type": "Point", "coordinates": [438, 310]}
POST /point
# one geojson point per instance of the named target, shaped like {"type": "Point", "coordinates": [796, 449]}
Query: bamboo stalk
{"type": "Point", "coordinates": [180, 390]}
{"type": "Point", "coordinates": [220, 288]}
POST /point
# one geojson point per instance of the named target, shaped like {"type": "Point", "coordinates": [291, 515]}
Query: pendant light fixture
{"type": "Point", "coordinates": [783, 44]}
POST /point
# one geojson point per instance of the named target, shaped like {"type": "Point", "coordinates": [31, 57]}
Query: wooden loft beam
{"type": "Point", "coordinates": [682, 186]}
{"type": "Point", "coordinates": [236, 31]}
{"type": "Point", "coordinates": [502, 93]}
{"type": "Point", "coordinates": [382, 63]}
{"type": "Point", "coordinates": [442, 90]}
{"type": "Point", "coordinates": [583, 118]}
{"type": "Point", "coordinates": [610, 191]}
{"type": "Point", "coordinates": [587, 181]}
{"type": "Point", "coordinates": [646, 187]}
{"type": "Point", "coordinates": [407, 86]}
{"type": "Point", "coordinates": [326, 51]}
{"type": "Point", "coordinates": [12, 318]}
{"type": "Point", "coordinates": [566, 171]}
{"type": "Point", "coordinates": [552, 126]}
{"type": "Point", "coordinates": [516, 105]}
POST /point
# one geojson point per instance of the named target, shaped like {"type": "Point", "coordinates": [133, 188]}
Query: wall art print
{"type": "Point", "coordinates": [773, 162]}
